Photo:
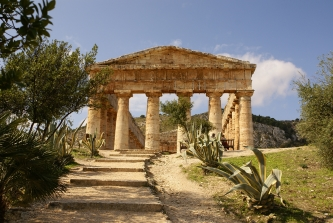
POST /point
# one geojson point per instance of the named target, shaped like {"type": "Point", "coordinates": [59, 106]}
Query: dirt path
{"type": "Point", "coordinates": [185, 200]}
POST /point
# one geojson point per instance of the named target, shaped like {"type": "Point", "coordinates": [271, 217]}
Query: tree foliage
{"type": "Point", "coordinates": [316, 97]}
{"type": "Point", "coordinates": [177, 111]}
{"type": "Point", "coordinates": [22, 22]}
{"type": "Point", "coordinates": [177, 115]}
{"type": "Point", "coordinates": [55, 82]}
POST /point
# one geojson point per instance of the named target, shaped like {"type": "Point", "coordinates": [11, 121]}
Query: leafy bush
{"type": "Point", "coordinates": [253, 182]}
{"type": "Point", "coordinates": [316, 97]}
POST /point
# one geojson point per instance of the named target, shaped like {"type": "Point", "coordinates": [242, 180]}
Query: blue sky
{"type": "Point", "coordinates": [284, 38]}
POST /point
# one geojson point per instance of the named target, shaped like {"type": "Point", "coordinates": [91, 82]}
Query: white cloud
{"type": "Point", "coordinates": [271, 79]}
{"type": "Point", "coordinates": [138, 105]}
{"type": "Point", "coordinates": [219, 47]}
{"type": "Point", "coordinates": [176, 42]}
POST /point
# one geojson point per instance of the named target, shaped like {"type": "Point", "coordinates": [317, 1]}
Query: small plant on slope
{"type": "Point", "coordinates": [253, 182]}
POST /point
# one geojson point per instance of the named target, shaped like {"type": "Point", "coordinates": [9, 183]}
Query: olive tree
{"type": "Point", "coordinates": [55, 82]}
{"type": "Point", "coordinates": [177, 115]}
{"type": "Point", "coordinates": [316, 97]}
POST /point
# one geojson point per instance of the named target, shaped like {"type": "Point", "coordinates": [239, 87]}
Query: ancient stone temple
{"type": "Point", "coordinates": [184, 72]}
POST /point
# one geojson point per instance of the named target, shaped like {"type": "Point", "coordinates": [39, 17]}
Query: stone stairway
{"type": "Point", "coordinates": [110, 189]}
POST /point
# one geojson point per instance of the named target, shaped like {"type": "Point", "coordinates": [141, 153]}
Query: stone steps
{"type": "Point", "coordinates": [115, 189]}
{"type": "Point", "coordinates": [108, 197]}
{"type": "Point", "coordinates": [52, 215]}
{"type": "Point", "coordinates": [123, 160]}
{"type": "Point", "coordinates": [133, 151]}
{"type": "Point", "coordinates": [113, 169]}
{"type": "Point", "coordinates": [132, 155]}
{"type": "Point", "coordinates": [95, 182]}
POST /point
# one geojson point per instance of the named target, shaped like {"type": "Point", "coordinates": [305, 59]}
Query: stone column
{"type": "Point", "coordinates": [152, 140]}
{"type": "Point", "coordinates": [93, 120]}
{"type": "Point", "coordinates": [109, 132]}
{"type": "Point", "coordinates": [181, 135]}
{"type": "Point", "coordinates": [236, 142]}
{"type": "Point", "coordinates": [230, 125]}
{"type": "Point", "coordinates": [122, 128]}
{"type": "Point", "coordinates": [214, 111]}
{"type": "Point", "coordinates": [103, 124]}
{"type": "Point", "coordinates": [245, 119]}
{"type": "Point", "coordinates": [233, 122]}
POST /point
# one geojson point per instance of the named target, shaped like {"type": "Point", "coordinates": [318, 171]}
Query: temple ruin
{"type": "Point", "coordinates": [184, 72]}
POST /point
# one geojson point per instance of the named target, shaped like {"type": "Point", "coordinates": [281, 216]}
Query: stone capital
{"type": "Point", "coordinates": [153, 93]}
{"type": "Point", "coordinates": [184, 93]}
{"type": "Point", "coordinates": [214, 93]}
{"type": "Point", "coordinates": [123, 93]}
{"type": "Point", "coordinates": [244, 93]}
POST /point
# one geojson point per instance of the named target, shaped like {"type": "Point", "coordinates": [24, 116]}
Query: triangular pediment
{"type": "Point", "coordinates": [172, 56]}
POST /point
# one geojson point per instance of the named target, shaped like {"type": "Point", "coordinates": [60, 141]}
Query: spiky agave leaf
{"type": "Point", "coordinates": [249, 177]}
{"type": "Point", "coordinates": [262, 163]}
{"type": "Point", "coordinates": [221, 173]}
{"type": "Point", "coordinates": [247, 189]}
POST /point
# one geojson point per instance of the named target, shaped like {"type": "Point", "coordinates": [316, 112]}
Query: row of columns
{"type": "Point", "coordinates": [238, 126]}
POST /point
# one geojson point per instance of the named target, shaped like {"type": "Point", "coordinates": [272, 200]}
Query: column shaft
{"type": "Point", "coordinates": [103, 124]}
{"type": "Point", "coordinates": [245, 119]}
{"type": "Point", "coordinates": [236, 142]}
{"type": "Point", "coordinates": [122, 127]}
{"type": "Point", "coordinates": [214, 110]}
{"type": "Point", "coordinates": [152, 140]}
{"type": "Point", "coordinates": [109, 132]}
{"type": "Point", "coordinates": [93, 120]}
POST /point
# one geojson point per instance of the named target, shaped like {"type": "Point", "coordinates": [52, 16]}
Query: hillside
{"type": "Point", "coordinates": [267, 132]}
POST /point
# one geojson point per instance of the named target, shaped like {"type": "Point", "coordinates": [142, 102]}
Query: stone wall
{"type": "Point", "coordinates": [168, 141]}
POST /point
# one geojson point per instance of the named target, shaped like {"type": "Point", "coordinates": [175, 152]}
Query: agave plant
{"type": "Point", "coordinates": [62, 141]}
{"type": "Point", "coordinates": [252, 182]}
{"type": "Point", "coordinates": [92, 143]}
{"type": "Point", "coordinates": [205, 148]}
